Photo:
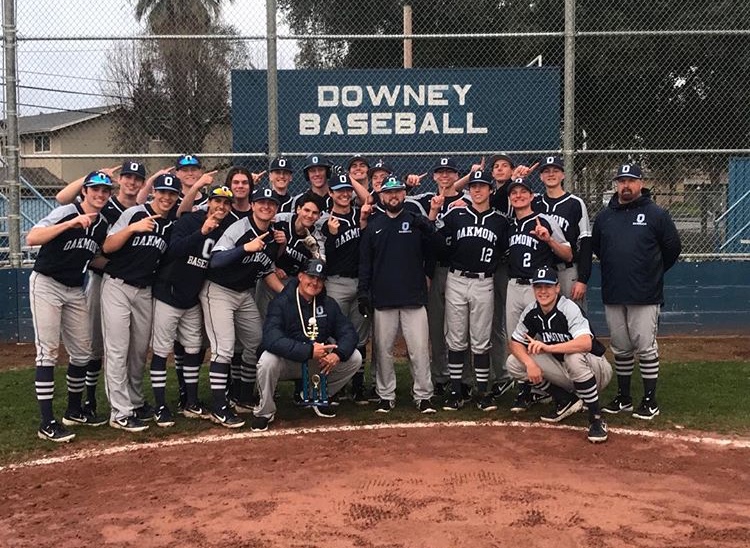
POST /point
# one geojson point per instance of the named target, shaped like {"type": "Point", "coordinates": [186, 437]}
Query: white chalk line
{"type": "Point", "coordinates": [214, 438]}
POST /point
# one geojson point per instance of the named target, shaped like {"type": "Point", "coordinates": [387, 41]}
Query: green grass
{"type": "Point", "coordinates": [703, 396]}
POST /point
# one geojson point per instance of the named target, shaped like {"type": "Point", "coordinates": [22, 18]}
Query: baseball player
{"type": "Point", "coordinates": [341, 235]}
{"type": "Point", "coordinates": [134, 245]}
{"type": "Point", "coordinates": [131, 178]}
{"type": "Point", "coordinates": [70, 236]}
{"type": "Point", "coordinates": [241, 183]}
{"type": "Point", "coordinates": [476, 237]}
{"type": "Point", "coordinates": [358, 169]}
{"type": "Point", "coordinates": [553, 347]}
{"type": "Point", "coordinates": [280, 174]}
{"type": "Point", "coordinates": [636, 242]}
{"type": "Point", "coordinates": [570, 213]}
{"type": "Point", "coordinates": [318, 171]}
{"type": "Point", "coordinates": [245, 253]}
{"type": "Point", "coordinates": [177, 312]}
{"type": "Point", "coordinates": [378, 173]}
{"type": "Point", "coordinates": [395, 260]}
{"type": "Point", "coordinates": [287, 342]}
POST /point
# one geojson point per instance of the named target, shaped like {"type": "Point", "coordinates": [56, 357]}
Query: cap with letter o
{"type": "Point", "coordinates": [133, 168]}
{"type": "Point", "coordinates": [187, 160]}
{"type": "Point", "coordinates": [380, 165]}
{"type": "Point", "coordinates": [260, 194]}
{"type": "Point", "coordinates": [519, 182]}
{"type": "Point", "coordinates": [221, 192]}
{"type": "Point", "coordinates": [280, 164]}
{"type": "Point", "coordinates": [315, 267]}
{"type": "Point", "coordinates": [545, 275]}
{"type": "Point", "coordinates": [480, 176]}
{"type": "Point", "coordinates": [445, 164]}
{"type": "Point", "coordinates": [340, 182]}
{"type": "Point", "coordinates": [97, 178]}
{"type": "Point", "coordinates": [392, 183]}
{"type": "Point", "coordinates": [316, 160]}
{"type": "Point", "coordinates": [168, 182]}
{"type": "Point", "coordinates": [357, 158]}
{"type": "Point", "coordinates": [629, 171]}
{"type": "Point", "coordinates": [551, 161]}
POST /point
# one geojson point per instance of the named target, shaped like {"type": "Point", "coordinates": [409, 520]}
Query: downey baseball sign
{"type": "Point", "coordinates": [401, 110]}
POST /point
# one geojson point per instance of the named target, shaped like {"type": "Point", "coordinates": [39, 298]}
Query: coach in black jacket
{"type": "Point", "coordinates": [636, 242]}
{"type": "Point", "coordinates": [286, 341]}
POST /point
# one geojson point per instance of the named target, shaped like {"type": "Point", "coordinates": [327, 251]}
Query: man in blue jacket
{"type": "Point", "coordinates": [636, 242]}
{"type": "Point", "coordinates": [287, 343]}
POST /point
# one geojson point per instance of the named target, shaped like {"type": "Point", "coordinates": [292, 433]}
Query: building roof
{"type": "Point", "coordinates": [54, 121]}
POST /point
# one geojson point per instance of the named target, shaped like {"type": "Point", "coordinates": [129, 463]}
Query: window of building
{"type": "Point", "coordinates": [42, 143]}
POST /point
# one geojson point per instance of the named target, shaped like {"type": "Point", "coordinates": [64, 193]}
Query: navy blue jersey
{"type": "Point", "coordinates": [474, 240]}
{"type": "Point", "coordinates": [113, 209]}
{"type": "Point", "coordinates": [341, 251]}
{"type": "Point", "coordinates": [563, 323]}
{"type": "Point", "coordinates": [183, 270]}
{"type": "Point", "coordinates": [286, 202]}
{"type": "Point", "coordinates": [527, 252]}
{"type": "Point", "coordinates": [420, 203]}
{"type": "Point", "coordinates": [66, 257]}
{"type": "Point", "coordinates": [297, 252]}
{"type": "Point", "coordinates": [232, 267]}
{"type": "Point", "coordinates": [137, 260]}
{"type": "Point", "coordinates": [499, 199]}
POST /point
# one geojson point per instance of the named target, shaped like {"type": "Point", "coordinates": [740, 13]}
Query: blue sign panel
{"type": "Point", "coordinates": [425, 110]}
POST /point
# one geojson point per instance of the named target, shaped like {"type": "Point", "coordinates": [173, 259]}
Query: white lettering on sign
{"type": "Point", "coordinates": [430, 95]}
{"type": "Point", "coordinates": [388, 123]}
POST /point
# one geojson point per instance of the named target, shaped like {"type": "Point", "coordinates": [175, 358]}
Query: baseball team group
{"type": "Point", "coordinates": [486, 281]}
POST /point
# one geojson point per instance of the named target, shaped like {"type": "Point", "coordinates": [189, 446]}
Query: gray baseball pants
{"type": "Point", "coordinates": [576, 368]}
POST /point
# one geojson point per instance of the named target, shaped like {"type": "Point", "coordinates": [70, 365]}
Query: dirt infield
{"type": "Point", "coordinates": [481, 486]}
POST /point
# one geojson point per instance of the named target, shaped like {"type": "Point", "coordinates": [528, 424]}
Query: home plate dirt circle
{"type": "Point", "coordinates": [479, 486]}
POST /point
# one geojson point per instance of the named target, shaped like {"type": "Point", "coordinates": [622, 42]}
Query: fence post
{"type": "Point", "coordinates": [11, 128]}
{"type": "Point", "coordinates": [272, 84]}
{"type": "Point", "coordinates": [569, 123]}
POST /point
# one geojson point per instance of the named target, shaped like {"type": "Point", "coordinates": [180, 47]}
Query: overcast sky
{"type": "Point", "coordinates": [79, 65]}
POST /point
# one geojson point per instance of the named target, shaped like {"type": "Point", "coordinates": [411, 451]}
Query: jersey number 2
{"type": "Point", "coordinates": [527, 260]}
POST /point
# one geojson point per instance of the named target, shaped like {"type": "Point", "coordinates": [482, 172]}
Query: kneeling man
{"type": "Point", "coordinates": [287, 341]}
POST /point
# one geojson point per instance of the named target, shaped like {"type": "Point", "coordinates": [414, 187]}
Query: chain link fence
{"type": "Point", "coordinates": [661, 84]}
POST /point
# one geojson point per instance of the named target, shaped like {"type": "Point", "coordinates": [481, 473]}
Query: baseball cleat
{"type": "Point", "coordinates": [145, 412]}
{"type": "Point", "coordinates": [385, 406]}
{"type": "Point", "coordinates": [130, 423]}
{"type": "Point", "coordinates": [562, 410]}
{"type": "Point", "coordinates": [74, 418]}
{"type": "Point", "coordinates": [53, 431]}
{"type": "Point", "coordinates": [522, 402]}
{"type": "Point", "coordinates": [597, 431]}
{"type": "Point", "coordinates": [487, 403]}
{"type": "Point", "coordinates": [619, 404]}
{"type": "Point", "coordinates": [226, 418]}
{"type": "Point", "coordinates": [453, 402]}
{"type": "Point", "coordinates": [243, 407]}
{"type": "Point", "coordinates": [163, 417]}
{"type": "Point", "coordinates": [647, 410]}
{"type": "Point", "coordinates": [195, 411]}
{"type": "Point", "coordinates": [501, 387]}
{"type": "Point", "coordinates": [425, 407]}
{"type": "Point", "coordinates": [359, 396]}
{"type": "Point", "coordinates": [260, 424]}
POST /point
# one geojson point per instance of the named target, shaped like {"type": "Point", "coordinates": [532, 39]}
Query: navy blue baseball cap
{"type": "Point", "coordinates": [265, 194]}
{"type": "Point", "coordinates": [357, 158]}
{"type": "Point", "coordinates": [551, 161]}
{"type": "Point", "coordinates": [519, 182]}
{"type": "Point", "coordinates": [97, 178]}
{"type": "Point", "coordinates": [545, 275]}
{"type": "Point", "coordinates": [392, 183]}
{"type": "Point", "coordinates": [187, 160]}
{"type": "Point", "coordinates": [480, 176]}
{"type": "Point", "coordinates": [280, 164]}
{"type": "Point", "coordinates": [315, 267]}
{"type": "Point", "coordinates": [133, 168]}
{"type": "Point", "coordinates": [340, 182]}
{"type": "Point", "coordinates": [629, 171]}
{"type": "Point", "coordinates": [168, 182]}
{"type": "Point", "coordinates": [380, 165]}
{"type": "Point", "coordinates": [444, 164]}
{"type": "Point", "coordinates": [500, 156]}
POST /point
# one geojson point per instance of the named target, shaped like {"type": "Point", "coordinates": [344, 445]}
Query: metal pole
{"type": "Point", "coordinates": [11, 152]}
{"type": "Point", "coordinates": [569, 122]}
{"type": "Point", "coordinates": [272, 82]}
{"type": "Point", "coordinates": [408, 59]}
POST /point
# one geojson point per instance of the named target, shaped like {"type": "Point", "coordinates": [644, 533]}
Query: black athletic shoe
{"type": "Point", "coordinates": [324, 411]}
{"type": "Point", "coordinates": [487, 402]}
{"type": "Point", "coordinates": [73, 418]}
{"type": "Point", "coordinates": [54, 431]}
{"type": "Point", "coordinates": [243, 406]}
{"type": "Point", "coordinates": [466, 390]}
{"type": "Point", "coordinates": [597, 431]}
{"type": "Point", "coordinates": [359, 396]}
{"type": "Point", "coordinates": [163, 417]}
{"type": "Point", "coordinates": [619, 404]}
{"type": "Point", "coordinates": [226, 418]}
{"type": "Point", "coordinates": [522, 402]}
{"type": "Point", "coordinates": [89, 408]}
{"type": "Point", "coordinates": [385, 406]}
{"type": "Point", "coordinates": [181, 403]}
{"type": "Point", "coordinates": [538, 396]}
{"type": "Point", "coordinates": [425, 407]}
{"type": "Point", "coordinates": [372, 395]}
{"type": "Point", "coordinates": [129, 424]}
{"type": "Point", "coordinates": [260, 424]}
{"type": "Point", "coordinates": [647, 410]}
{"type": "Point", "coordinates": [145, 412]}
{"type": "Point", "coordinates": [334, 400]}
{"type": "Point", "coordinates": [441, 388]}
{"type": "Point", "coordinates": [195, 411]}
{"type": "Point", "coordinates": [453, 402]}
{"type": "Point", "coordinates": [503, 386]}
{"type": "Point", "coordinates": [562, 410]}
